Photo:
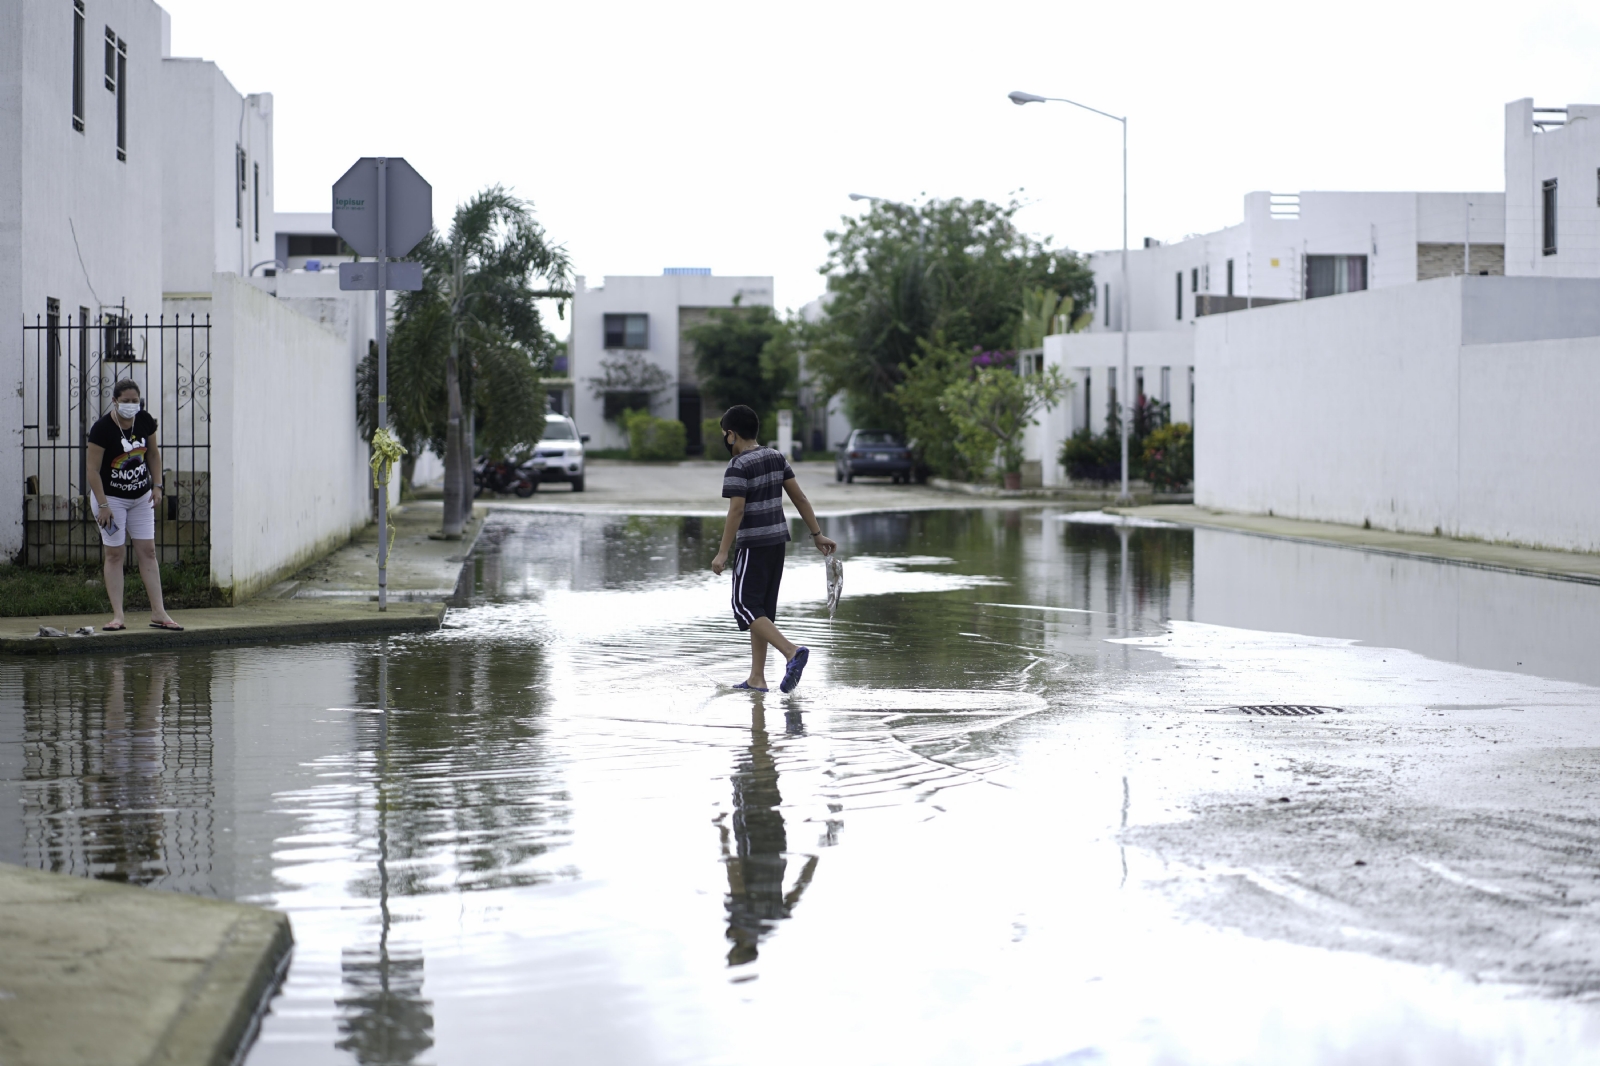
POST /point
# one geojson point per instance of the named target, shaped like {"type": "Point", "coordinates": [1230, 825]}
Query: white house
{"type": "Point", "coordinates": [646, 316]}
{"type": "Point", "coordinates": [136, 189]}
{"type": "Point", "coordinates": [1310, 245]}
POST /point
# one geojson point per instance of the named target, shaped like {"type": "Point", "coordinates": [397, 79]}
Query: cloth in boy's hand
{"type": "Point", "coordinates": [835, 570]}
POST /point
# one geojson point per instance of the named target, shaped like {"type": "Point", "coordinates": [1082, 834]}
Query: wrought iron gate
{"type": "Point", "coordinates": [70, 364]}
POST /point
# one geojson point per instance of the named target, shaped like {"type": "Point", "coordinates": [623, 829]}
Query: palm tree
{"type": "Point", "coordinates": [473, 331]}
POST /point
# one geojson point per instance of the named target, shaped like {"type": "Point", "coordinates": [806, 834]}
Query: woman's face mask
{"type": "Point", "coordinates": [128, 410]}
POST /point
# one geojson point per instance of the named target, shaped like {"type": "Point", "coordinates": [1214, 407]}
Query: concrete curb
{"type": "Point", "coordinates": [1067, 495]}
{"type": "Point", "coordinates": [102, 973]}
{"type": "Point", "coordinates": [1476, 555]}
{"type": "Point", "coordinates": [257, 623]}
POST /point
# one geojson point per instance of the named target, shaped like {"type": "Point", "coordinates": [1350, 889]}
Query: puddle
{"type": "Point", "coordinates": [995, 824]}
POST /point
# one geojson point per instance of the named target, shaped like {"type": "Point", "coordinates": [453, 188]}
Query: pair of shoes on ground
{"type": "Point", "coordinates": [117, 627]}
{"type": "Point", "coordinates": [791, 673]}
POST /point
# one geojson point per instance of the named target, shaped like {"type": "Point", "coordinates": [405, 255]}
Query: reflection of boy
{"type": "Point", "coordinates": [754, 484]}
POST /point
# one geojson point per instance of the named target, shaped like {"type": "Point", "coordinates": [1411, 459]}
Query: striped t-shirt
{"type": "Point", "coordinates": [758, 475]}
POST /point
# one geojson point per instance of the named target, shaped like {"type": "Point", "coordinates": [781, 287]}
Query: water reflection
{"type": "Point", "coordinates": [117, 771]}
{"type": "Point", "coordinates": [758, 858]}
{"type": "Point", "coordinates": [492, 841]}
{"type": "Point", "coordinates": [384, 1018]}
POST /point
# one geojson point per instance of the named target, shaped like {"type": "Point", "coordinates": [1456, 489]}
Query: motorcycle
{"type": "Point", "coordinates": [506, 476]}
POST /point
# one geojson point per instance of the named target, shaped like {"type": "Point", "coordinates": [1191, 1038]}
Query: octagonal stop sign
{"type": "Point", "coordinates": [408, 198]}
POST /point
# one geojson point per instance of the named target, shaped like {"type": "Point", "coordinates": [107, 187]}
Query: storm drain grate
{"type": "Point", "coordinates": [1295, 710]}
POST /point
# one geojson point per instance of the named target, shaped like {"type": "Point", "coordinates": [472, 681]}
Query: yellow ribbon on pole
{"type": "Point", "coordinates": [386, 451]}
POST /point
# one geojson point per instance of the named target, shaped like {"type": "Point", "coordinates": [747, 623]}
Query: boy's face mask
{"type": "Point", "coordinates": [727, 441]}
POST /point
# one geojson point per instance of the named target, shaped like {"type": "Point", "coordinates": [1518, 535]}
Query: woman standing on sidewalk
{"type": "Point", "coordinates": [122, 456]}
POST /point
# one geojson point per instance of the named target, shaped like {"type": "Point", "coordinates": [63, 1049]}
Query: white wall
{"type": "Point", "coordinates": [1570, 154]}
{"type": "Point", "coordinates": [204, 121]}
{"type": "Point", "coordinates": [1462, 405]}
{"type": "Point", "coordinates": [289, 471]}
{"type": "Point", "coordinates": [660, 298]}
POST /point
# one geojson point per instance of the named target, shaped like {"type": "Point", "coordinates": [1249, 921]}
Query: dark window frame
{"type": "Point", "coordinates": [1547, 204]}
{"type": "Point", "coordinates": [1180, 295]}
{"type": "Point", "coordinates": [239, 171]}
{"type": "Point", "coordinates": [255, 197]}
{"type": "Point", "coordinates": [79, 64]}
{"type": "Point", "coordinates": [316, 244]}
{"type": "Point", "coordinates": [621, 328]}
{"type": "Point", "coordinates": [1194, 280]}
{"type": "Point", "coordinates": [111, 60]}
{"type": "Point", "coordinates": [122, 101]}
{"type": "Point", "coordinates": [1230, 277]}
{"type": "Point", "coordinates": [52, 368]}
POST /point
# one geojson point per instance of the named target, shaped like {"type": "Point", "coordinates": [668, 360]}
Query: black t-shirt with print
{"type": "Point", "coordinates": [123, 471]}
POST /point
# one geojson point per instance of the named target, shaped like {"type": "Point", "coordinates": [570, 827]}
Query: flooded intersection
{"type": "Point", "coordinates": [1010, 816]}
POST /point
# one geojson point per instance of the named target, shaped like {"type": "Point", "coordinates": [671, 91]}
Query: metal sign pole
{"type": "Point", "coordinates": [383, 373]}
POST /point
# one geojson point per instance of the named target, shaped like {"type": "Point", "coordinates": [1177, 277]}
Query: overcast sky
{"type": "Point", "coordinates": [728, 135]}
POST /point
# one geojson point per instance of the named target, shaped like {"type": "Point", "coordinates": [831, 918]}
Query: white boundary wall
{"type": "Point", "coordinates": [289, 470]}
{"type": "Point", "coordinates": [1459, 405]}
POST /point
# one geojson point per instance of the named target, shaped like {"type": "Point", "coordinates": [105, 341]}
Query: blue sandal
{"type": "Point", "coordinates": [746, 686]}
{"type": "Point", "coordinates": [797, 665]}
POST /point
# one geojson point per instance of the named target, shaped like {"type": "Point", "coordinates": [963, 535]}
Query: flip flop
{"type": "Point", "coordinates": [172, 627]}
{"type": "Point", "coordinates": [114, 627]}
{"type": "Point", "coordinates": [791, 676]}
{"type": "Point", "coordinates": [748, 687]}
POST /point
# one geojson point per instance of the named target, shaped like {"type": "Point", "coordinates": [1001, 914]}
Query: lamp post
{"type": "Point", "coordinates": [1020, 98]}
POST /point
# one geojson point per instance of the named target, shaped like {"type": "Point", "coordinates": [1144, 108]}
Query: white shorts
{"type": "Point", "coordinates": [132, 518]}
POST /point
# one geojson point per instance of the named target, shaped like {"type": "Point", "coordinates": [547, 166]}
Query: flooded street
{"type": "Point", "coordinates": [1013, 814]}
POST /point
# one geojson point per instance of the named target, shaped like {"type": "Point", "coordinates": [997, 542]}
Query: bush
{"type": "Point", "coordinates": [650, 437]}
{"type": "Point", "coordinates": [1088, 457]}
{"type": "Point", "coordinates": [711, 437]}
{"type": "Point", "coordinates": [1169, 456]}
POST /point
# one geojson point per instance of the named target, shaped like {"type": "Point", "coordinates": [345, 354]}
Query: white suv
{"type": "Point", "coordinates": [560, 451]}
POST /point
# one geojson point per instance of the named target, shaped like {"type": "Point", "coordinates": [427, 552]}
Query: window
{"type": "Point", "coordinates": [1180, 296]}
{"type": "Point", "coordinates": [1111, 393]}
{"type": "Point", "coordinates": [1329, 275]}
{"type": "Point", "coordinates": [628, 331]}
{"type": "Point", "coordinates": [1550, 217]}
{"type": "Point", "coordinates": [122, 101]}
{"type": "Point", "coordinates": [1191, 397]}
{"type": "Point", "coordinates": [239, 183]}
{"type": "Point", "coordinates": [255, 193]}
{"type": "Point", "coordinates": [111, 60]}
{"type": "Point", "coordinates": [317, 244]}
{"type": "Point", "coordinates": [1230, 277]}
{"type": "Point", "coordinates": [1108, 305]}
{"type": "Point", "coordinates": [77, 65]}
{"type": "Point", "coordinates": [52, 368]}
{"type": "Point", "coordinates": [1166, 384]}
{"type": "Point", "coordinates": [1194, 280]}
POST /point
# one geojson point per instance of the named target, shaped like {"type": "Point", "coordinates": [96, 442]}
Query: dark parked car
{"type": "Point", "coordinates": [872, 453]}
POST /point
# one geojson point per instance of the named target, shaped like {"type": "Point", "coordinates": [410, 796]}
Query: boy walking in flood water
{"type": "Point", "coordinates": [756, 528]}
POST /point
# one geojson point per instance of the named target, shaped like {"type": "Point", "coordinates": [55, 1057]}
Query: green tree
{"type": "Point", "coordinates": [467, 350]}
{"type": "Point", "coordinates": [746, 355]}
{"type": "Point", "coordinates": [919, 398]}
{"type": "Point", "coordinates": [994, 407]}
{"type": "Point", "coordinates": [902, 274]}
{"type": "Point", "coordinates": [1046, 311]}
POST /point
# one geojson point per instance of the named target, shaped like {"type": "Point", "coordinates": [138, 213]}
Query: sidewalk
{"type": "Point", "coordinates": [334, 598]}
{"type": "Point", "coordinates": [100, 974]}
{"type": "Point", "coordinates": [1536, 562]}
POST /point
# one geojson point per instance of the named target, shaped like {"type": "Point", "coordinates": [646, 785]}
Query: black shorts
{"type": "Point", "coordinates": [757, 573]}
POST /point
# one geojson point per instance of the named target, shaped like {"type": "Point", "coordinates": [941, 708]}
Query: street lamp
{"type": "Point", "coordinates": [1020, 98]}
